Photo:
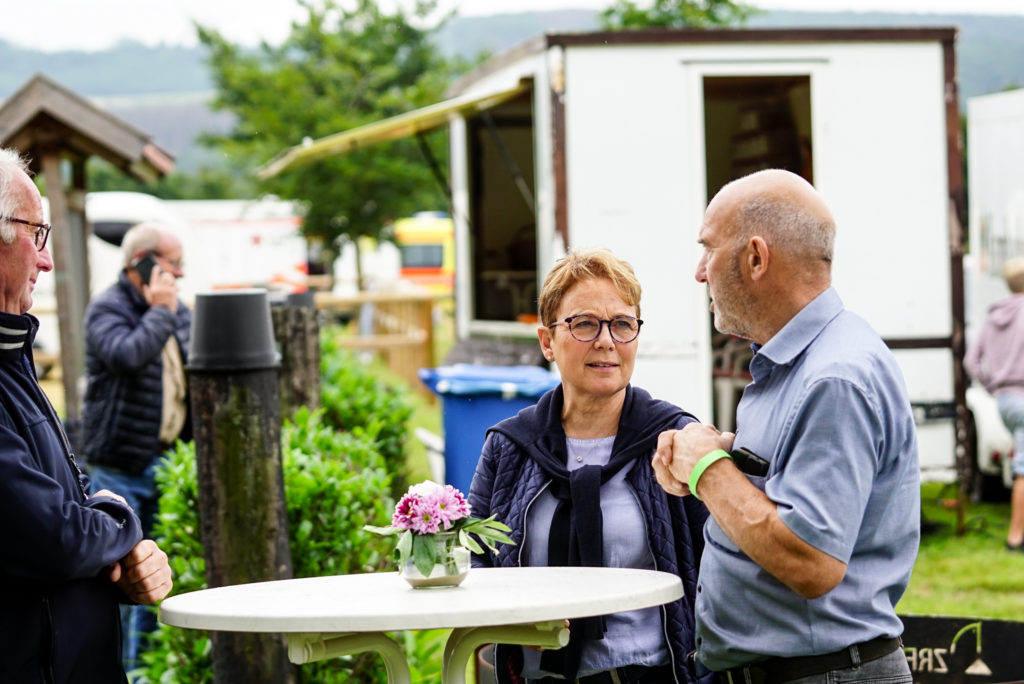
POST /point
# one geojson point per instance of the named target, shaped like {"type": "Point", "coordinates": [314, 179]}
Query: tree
{"type": "Point", "coordinates": [626, 14]}
{"type": "Point", "coordinates": [345, 66]}
{"type": "Point", "coordinates": [207, 182]}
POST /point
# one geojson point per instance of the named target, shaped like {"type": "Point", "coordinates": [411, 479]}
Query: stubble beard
{"type": "Point", "coordinates": [733, 306]}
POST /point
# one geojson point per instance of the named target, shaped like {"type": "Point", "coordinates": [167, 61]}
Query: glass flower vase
{"type": "Point", "coordinates": [451, 564]}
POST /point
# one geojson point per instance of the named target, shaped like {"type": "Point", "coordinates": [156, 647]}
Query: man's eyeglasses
{"type": "Point", "coordinates": [587, 328]}
{"type": "Point", "coordinates": [42, 230]}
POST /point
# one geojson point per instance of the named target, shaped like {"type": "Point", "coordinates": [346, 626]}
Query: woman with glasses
{"type": "Point", "coordinates": [571, 476]}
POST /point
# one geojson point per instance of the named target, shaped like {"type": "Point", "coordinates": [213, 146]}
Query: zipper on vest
{"type": "Point", "coordinates": [526, 517]}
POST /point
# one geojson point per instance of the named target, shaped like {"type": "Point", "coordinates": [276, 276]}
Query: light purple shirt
{"type": "Point", "coordinates": [634, 637]}
{"type": "Point", "coordinates": [996, 358]}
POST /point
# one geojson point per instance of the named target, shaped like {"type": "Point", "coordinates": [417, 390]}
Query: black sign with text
{"type": "Point", "coordinates": [946, 650]}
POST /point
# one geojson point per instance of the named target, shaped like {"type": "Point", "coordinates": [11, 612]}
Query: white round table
{"type": "Point", "coordinates": [325, 617]}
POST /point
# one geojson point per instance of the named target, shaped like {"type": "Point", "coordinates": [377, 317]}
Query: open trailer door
{"type": "Point", "coordinates": [875, 130]}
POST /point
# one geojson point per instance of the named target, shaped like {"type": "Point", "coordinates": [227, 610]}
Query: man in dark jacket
{"type": "Point", "coordinates": [68, 558]}
{"type": "Point", "coordinates": [136, 338]}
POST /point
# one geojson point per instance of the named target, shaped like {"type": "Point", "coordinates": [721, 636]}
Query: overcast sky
{"type": "Point", "coordinates": [97, 24]}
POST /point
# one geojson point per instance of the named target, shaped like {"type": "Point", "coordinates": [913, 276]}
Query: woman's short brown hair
{"type": "Point", "coordinates": [586, 264]}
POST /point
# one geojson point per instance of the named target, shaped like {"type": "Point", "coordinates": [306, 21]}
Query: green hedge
{"type": "Point", "coordinates": [354, 400]}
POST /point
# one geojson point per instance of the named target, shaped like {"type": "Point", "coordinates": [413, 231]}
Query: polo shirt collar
{"type": "Point", "coordinates": [796, 335]}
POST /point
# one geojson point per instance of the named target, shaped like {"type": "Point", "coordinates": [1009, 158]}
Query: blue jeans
{"type": "Point", "coordinates": [141, 494]}
{"type": "Point", "coordinates": [1011, 410]}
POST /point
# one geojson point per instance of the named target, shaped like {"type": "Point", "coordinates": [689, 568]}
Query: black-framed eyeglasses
{"type": "Point", "coordinates": [42, 230]}
{"type": "Point", "coordinates": [587, 328]}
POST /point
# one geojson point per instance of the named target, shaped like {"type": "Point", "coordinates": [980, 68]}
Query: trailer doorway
{"type": "Point", "coordinates": [502, 213]}
{"type": "Point", "coordinates": [750, 123]}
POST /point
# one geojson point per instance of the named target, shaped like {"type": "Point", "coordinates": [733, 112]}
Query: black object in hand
{"type": "Point", "coordinates": [748, 462]}
{"type": "Point", "coordinates": [144, 265]}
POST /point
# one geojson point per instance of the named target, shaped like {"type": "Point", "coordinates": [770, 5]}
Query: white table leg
{"type": "Point", "coordinates": [463, 642]}
{"type": "Point", "coordinates": [308, 648]}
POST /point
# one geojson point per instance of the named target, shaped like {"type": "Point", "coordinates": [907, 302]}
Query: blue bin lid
{"type": "Point", "coordinates": [472, 379]}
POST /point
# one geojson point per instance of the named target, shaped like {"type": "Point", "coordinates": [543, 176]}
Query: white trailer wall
{"type": "Point", "coordinates": [995, 156]}
{"type": "Point", "coordinates": [635, 158]}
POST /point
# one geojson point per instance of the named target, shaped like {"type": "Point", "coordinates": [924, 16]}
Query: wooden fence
{"type": "Point", "coordinates": [403, 329]}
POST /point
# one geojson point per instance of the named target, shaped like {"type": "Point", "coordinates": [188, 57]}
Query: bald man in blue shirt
{"type": "Point", "coordinates": [804, 562]}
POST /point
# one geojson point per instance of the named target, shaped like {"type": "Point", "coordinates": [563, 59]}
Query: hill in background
{"type": "Point", "coordinates": [164, 90]}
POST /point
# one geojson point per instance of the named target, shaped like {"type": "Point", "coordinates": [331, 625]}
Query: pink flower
{"type": "Point", "coordinates": [405, 512]}
{"type": "Point", "coordinates": [425, 519]}
{"type": "Point", "coordinates": [451, 506]}
{"type": "Point", "coordinates": [428, 506]}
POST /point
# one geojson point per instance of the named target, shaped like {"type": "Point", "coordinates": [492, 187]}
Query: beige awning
{"type": "Point", "coordinates": [401, 126]}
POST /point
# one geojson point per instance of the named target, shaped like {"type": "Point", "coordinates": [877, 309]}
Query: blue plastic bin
{"type": "Point", "coordinates": [473, 398]}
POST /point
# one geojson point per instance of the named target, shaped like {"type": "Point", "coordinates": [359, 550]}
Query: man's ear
{"type": "Point", "coordinates": [758, 257]}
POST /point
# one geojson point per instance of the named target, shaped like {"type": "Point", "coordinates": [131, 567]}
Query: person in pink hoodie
{"type": "Point", "coordinates": [996, 360]}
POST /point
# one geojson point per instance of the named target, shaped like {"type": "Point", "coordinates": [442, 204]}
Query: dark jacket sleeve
{"type": "Point", "coordinates": [124, 345]}
{"type": "Point", "coordinates": [480, 492]}
{"type": "Point", "coordinates": [47, 535]}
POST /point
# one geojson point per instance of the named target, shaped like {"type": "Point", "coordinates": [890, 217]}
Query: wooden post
{"type": "Point", "coordinates": [297, 331]}
{"type": "Point", "coordinates": [242, 511]}
{"type": "Point", "coordinates": [67, 249]}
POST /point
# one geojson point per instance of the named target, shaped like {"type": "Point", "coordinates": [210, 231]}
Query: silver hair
{"type": "Point", "coordinates": [787, 225]}
{"type": "Point", "coordinates": [143, 237]}
{"type": "Point", "coordinates": [11, 164]}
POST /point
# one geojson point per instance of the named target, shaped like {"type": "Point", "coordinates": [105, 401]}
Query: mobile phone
{"type": "Point", "coordinates": [144, 265]}
{"type": "Point", "coordinates": [748, 462]}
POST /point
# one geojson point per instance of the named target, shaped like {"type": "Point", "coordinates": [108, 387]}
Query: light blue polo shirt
{"type": "Point", "coordinates": [828, 408]}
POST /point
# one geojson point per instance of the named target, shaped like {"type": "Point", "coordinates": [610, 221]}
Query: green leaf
{"type": "Point", "coordinates": [467, 540]}
{"type": "Point", "coordinates": [494, 535]}
{"type": "Point", "coordinates": [405, 546]}
{"type": "Point", "coordinates": [423, 553]}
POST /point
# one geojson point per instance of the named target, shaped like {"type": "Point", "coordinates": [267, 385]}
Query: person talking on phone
{"type": "Point", "coordinates": [135, 405]}
{"type": "Point", "coordinates": [804, 562]}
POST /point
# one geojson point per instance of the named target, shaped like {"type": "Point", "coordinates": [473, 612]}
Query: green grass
{"type": "Point", "coordinates": [425, 414]}
{"type": "Point", "coordinates": [970, 575]}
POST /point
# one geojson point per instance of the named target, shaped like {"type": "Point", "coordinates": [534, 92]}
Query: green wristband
{"type": "Point", "coordinates": [705, 461]}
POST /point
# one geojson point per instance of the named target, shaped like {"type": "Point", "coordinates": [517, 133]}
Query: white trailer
{"type": "Point", "coordinates": [619, 139]}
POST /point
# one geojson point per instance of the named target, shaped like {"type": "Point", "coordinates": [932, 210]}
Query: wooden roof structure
{"type": "Point", "coordinates": [59, 130]}
{"type": "Point", "coordinates": [42, 112]}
